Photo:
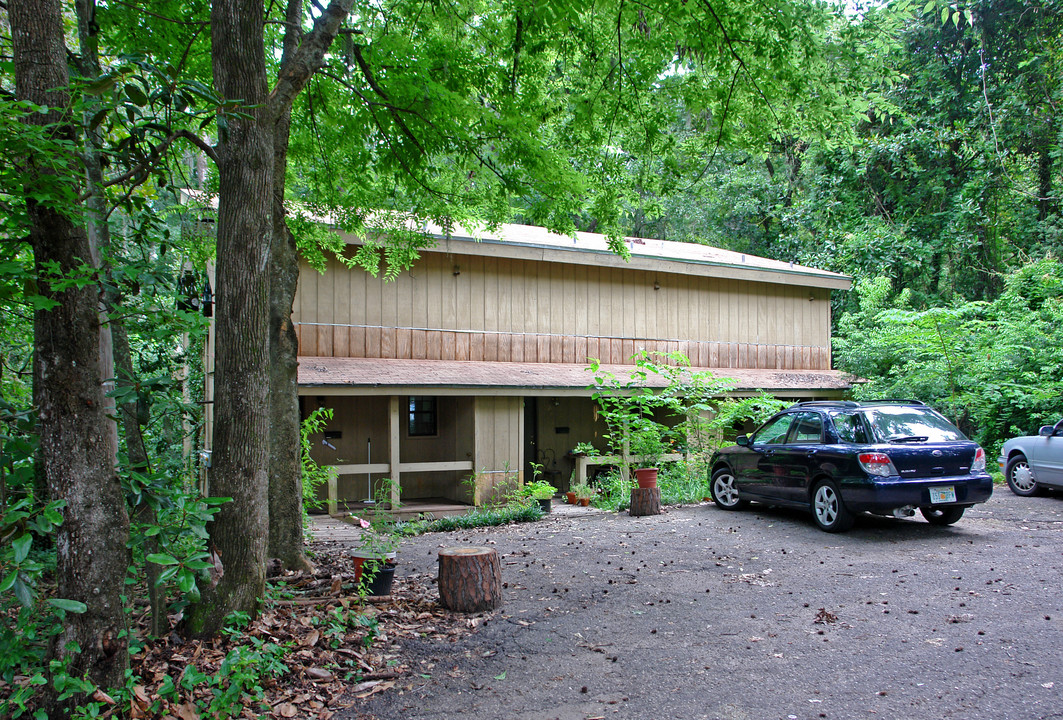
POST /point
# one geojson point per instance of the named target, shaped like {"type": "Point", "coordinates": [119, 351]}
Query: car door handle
{"type": "Point", "coordinates": [812, 453]}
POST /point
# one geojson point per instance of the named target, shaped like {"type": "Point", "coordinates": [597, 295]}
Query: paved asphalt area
{"type": "Point", "coordinates": [702, 613]}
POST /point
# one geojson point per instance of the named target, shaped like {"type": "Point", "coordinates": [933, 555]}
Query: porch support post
{"type": "Point", "coordinates": [393, 449]}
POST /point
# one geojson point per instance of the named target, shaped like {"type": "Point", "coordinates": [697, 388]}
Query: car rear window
{"type": "Point", "coordinates": [908, 424]}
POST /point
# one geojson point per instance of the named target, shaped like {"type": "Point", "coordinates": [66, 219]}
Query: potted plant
{"type": "Point", "coordinates": [584, 493]}
{"type": "Point", "coordinates": [375, 556]}
{"type": "Point", "coordinates": [542, 492]}
{"type": "Point", "coordinates": [570, 494]}
{"type": "Point", "coordinates": [539, 490]}
{"type": "Point", "coordinates": [648, 443]}
{"type": "Point", "coordinates": [584, 449]}
{"type": "Point", "coordinates": [374, 559]}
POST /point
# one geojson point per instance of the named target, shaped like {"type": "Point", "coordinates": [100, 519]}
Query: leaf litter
{"type": "Point", "coordinates": [340, 647]}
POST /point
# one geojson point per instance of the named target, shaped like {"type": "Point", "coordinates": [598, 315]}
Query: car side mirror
{"type": "Point", "coordinates": [1047, 430]}
{"type": "Point", "coordinates": [742, 440]}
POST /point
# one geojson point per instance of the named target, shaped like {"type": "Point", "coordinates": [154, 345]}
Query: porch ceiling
{"type": "Point", "coordinates": [371, 376]}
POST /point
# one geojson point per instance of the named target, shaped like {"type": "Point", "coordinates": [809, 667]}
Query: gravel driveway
{"type": "Point", "coordinates": [701, 613]}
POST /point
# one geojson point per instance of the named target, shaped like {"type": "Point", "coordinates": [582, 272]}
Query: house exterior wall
{"type": "Point", "coordinates": [499, 438]}
{"type": "Point", "coordinates": [365, 439]}
{"type": "Point", "coordinates": [482, 308]}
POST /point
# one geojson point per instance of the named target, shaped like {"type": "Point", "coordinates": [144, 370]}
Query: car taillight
{"type": "Point", "coordinates": [979, 461]}
{"type": "Point", "coordinates": [877, 464]}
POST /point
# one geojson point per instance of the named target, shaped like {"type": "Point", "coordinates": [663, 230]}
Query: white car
{"type": "Point", "coordinates": [1035, 462]}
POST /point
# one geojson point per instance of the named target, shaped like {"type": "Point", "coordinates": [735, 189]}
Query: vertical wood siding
{"type": "Point", "coordinates": [459, 307]}
{"type": "Point", "coordinates": [499, 444]}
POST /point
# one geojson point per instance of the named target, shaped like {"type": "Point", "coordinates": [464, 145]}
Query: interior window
{"type": "Point", "coordinates": [850, 428]}
{"type": "Point", "coordinates": [808, 428]}
{"type": "Point", "coordinates": [422, 416]}
{"type": "Point", "coordinates": [774, 433]}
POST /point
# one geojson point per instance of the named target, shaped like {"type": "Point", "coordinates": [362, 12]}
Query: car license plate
{"type": "Point", "coordinates": [942, 494]}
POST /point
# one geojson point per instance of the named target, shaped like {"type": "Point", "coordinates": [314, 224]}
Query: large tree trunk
{"type": "Point", "coordinates": [246, 162]}
{"type": "Point", "coordinates": [77, 452]}
{"type": "Point", "coordinates": [285, 467]}
{"type": "Point", "coordinates": [244, 235]}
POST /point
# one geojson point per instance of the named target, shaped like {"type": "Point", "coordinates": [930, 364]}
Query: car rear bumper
{"type": "Point", "coordinates": [885, 494]}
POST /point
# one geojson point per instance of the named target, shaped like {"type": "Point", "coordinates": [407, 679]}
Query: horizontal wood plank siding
{"type": "Point", "coordinates": [455, 307]}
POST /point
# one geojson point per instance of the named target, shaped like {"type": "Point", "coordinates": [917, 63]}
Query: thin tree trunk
{"type": "Point", "coordinates": [244, 236]}
{"type": "Point", "coordinates": [122, 361]}
{"type": "Point", "coordinates": [77, 452]}
{"type": "Point", "coordinates": [285, 477]}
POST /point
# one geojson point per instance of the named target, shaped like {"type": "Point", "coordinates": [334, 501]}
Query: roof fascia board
{"type": "Point", "coordinates": [516, 250]}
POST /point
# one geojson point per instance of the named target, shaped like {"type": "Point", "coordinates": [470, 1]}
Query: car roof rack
{"type": "Point", "coordinates": [893, 401]}
{"type": "Point", "coordinates": [827, 403]}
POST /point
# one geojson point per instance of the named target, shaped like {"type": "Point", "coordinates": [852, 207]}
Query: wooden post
{"type": "Point", "coordinates": [333, 480]}
{"type": "Point", "coordinates": [470, 579]}
{"type": "Point", "coordinates": [645, 501]}
{"type": "Point", "coordinates": [394, 457]}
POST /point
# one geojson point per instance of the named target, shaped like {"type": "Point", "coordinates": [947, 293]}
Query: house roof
{"type": "Point", "coordinates": [536, 243]}
{"type": "Point", "coordinates": [377, 376]}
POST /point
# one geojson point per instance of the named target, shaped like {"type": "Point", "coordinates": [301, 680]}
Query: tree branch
{"type": "Point", "coordinates": [309, 58]}
{"type": "Point", "coordinates": [153, 157]}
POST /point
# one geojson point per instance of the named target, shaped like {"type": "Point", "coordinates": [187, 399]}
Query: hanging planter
{"type": "Point", "coordinates": [646, 477]}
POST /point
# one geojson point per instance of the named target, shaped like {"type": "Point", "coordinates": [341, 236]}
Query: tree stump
{"type": "Point", "coordinates": [645, 501]}
{"type": "Point", "coordinates": [470, 579]}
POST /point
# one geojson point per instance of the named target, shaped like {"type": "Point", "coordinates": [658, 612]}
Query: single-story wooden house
{"type": "Point", "coordinates": [474, 362]}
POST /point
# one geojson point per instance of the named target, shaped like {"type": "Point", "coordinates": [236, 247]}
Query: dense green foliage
{"type": "Point", "coordinates": [995, 368]}
{"type": "Point", "coordinates": [944, 206]}
{"type": "Point", "coordinates": [916, 148]}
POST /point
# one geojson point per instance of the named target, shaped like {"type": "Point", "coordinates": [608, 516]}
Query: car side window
{"type": "Point", "coordinates": [850, 428]}
{"type": "Point", "coordinates": [774, 433]}
{"type": "Point", "coordinates": [807, 428]}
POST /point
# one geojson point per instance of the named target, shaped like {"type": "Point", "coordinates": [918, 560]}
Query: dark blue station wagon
{"type": "Point", "coordinates": [840, 458]}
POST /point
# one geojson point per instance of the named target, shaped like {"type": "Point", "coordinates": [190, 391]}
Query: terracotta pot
{"type": "Point", "coordinates": [584, 501]}
{"type": "Point", "coordinates": [646, 477]}
{"type": "Point", "coordinates": [359, 557]}
{"type": "Point", "coordinates": [570, 498]}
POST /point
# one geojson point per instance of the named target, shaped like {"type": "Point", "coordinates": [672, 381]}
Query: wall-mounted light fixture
{"type": "Point", "coordinates": [457, 270]}
{"type": "Point", "coordinates": [656, 285]}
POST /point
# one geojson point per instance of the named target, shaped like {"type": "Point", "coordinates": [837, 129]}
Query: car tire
{"type": "Point", "coordinates": [943, 515]}
{"type": "Point", "coordinates": [828, 508]}
{"type": "Point", "coordinates": [1020, 477]}
{"type": "Point", "coordinates": [724, 491]}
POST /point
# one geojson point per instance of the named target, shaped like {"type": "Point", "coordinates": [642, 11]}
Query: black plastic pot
{"type": "Point", "coordinates": [382, 579]}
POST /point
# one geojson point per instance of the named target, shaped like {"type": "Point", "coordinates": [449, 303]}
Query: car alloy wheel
{"type": "Point", "coordinates": [828, 509]}
{"type": "Point", "coordinates": [723, 491]}
{"type": "Point", "coordinates": [1020, 477]}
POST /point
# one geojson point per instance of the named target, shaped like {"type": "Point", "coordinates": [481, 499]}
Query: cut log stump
{"type": "Point", "coordinates": [645, 501]}
{"type": "Point", "coordinates": [470, 579]}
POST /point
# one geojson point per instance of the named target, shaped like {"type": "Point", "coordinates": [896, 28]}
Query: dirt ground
{"type": "Point", "coordinates": [701, 613]}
